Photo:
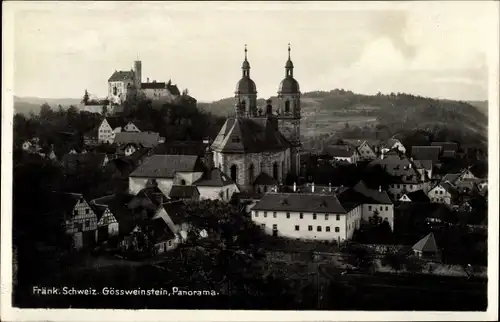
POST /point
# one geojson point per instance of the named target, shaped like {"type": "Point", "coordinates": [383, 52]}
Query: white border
{"type": "Point", "coordinates": [11, 314]}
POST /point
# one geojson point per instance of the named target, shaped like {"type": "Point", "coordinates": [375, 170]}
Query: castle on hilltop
{"type": "Point", "coordinates": [257, 147]}
{"type": "Point", "coordinates": [125, 84]}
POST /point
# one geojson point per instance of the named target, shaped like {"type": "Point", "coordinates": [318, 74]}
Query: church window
{"type": "Point", "coordinates": [287, 107]}
{"type": "Point", "coordinates": [115, 90]}
{"type": "Point", "coordinates": [251, 171]}
{"type": "Point", "coordinates": [234, 172]}
{"type": "Point", "coordinates": [275, 171]}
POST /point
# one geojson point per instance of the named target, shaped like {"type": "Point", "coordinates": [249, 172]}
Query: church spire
{"type": "Point", "coordinates": [246, 65]}
{"type": "Point", "coordinates": [289, 64]}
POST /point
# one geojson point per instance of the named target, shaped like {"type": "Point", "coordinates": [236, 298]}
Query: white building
{"type": "Point", "coordinates": [108, 129]}
{"type": "Point", "coordinates": [443, 193]}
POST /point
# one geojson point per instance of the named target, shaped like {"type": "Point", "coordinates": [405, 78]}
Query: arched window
{"type": "Point", "coordinates": [251, 173]}
{"type": "Point", "coordinates": [287, 107]}
{"type": "Point", "coordinates": [234, 172]}
{"type": "Point", "coordinates": [183, 182]}
{"type": "Point", "coordinates": [275, 170]}
{"type": "Point", "coordinates": [262, 167]}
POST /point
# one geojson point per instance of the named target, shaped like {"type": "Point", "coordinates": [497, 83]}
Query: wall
{"type": "Point", "coordinates": [286, 227]}
{"type": "Point", "coordinates": [82, 213]}
{"type": "Point", "coordinates": [136, 184]}
{"type": "Point", "coordinates": [385, 211]}
{"type": "Point", "coordinates": [130, 127]}
{"type": "Point", "coordinates": [396, 190]}
{"type": "Point", "coordinates": [188, 177]}
{"type": "Point", "coordinates": [439, 195]}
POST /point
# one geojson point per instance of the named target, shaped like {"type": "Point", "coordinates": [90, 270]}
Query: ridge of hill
{"type": "Point", "coordinates": [26, 105]}
{"type": "Point", "coordinates": [326, 112]}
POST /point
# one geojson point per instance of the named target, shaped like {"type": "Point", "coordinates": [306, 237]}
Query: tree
{"type": "Point", "coordinates": [45, 111]}
{"type": "Point", "coordinates": [86, 98]}
{"type": "Point", "coordinates": [395, 260]}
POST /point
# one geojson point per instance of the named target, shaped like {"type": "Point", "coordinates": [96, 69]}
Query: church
{"type": "Point", "coordinates": [259, 146]}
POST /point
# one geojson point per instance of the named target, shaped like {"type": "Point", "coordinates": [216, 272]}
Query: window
{"type": "Point", "coordinates": [381, 208]}
{"type": "Point", "coordinates": [183, 182]}
{"type": "Point", "coordinates": [169, 243]}
{"type": "Point", "coordinates": [256, 214]}
{"type": "Point", "coordinates": [318, 228]}
{"type": "Point", "coordinates": [275, 171]}
{"type": "Point", "coordinates": [327, 228]}
{"type": "Point", "coordinates": [287, 215]}
{"type": "Point", "coordinates": [87, 223]}
{"type": "Point", "coordinates": [75, 212]}
{"type": "Point", "coordinates": [263, 226]}
{"type": "Point", "coordinates": [105, 220]}
{"type": "Point", "coordinates": [251, 171]}
{"type": "Point", "coordinates": [301, 216]}
{"type": "Point", "coordinates": [369, 207]}
{"type": "Point", "coordinates": [275, 226]}
{"type": "Point", "coordinates": [287, 107]}
{"type": "Point", "coordinates": [310, 228]}
{"type": "Point", "coordinates": [234, 172]}
{"type": "Point", "coordinates": [314, 216]}
{"type": "Point", "coordinates": [338, 217]}
{"type": "Point", "coordinates": [265, 214]}
{"type": "Point", "coordinates": [274, 214]}
{"type": "Point", "coordinates": [87, 211]}
{"type": "Point", "coordinates": [337, 229]}
{"type": "Point", "coordinates": [326, 216]}
{"type": "Point", "coordinates": [297, 228]}
{"type": "Point", "coordinates": [386, 208]}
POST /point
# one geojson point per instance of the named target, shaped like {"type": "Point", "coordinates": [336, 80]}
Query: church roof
{"type": "Point", "coordinates": [289, 86]}
{"type": "Point", "coordinates": [246, 86]}
{"type": "Point", "coordinates": [249, 135]}
{"type": "Point", "coordinates": [426, 244]}
{"type": "Point", "coordinates": [121, 76]}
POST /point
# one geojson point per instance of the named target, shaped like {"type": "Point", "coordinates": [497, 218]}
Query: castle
{"type": "Point", "coordinates": [260, 148]}
{"type": "Point", "coordinates": [124, 84]}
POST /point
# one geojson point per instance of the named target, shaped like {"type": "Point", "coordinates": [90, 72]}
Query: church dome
{"type": "Point", "coordinates": [245, 65]}
{"type": "Point", "coordinates": [289, 64]}
{"type": "Point", "coordinates": [289, 86]}
{"type": "Point", "coordinates": [246, 86]}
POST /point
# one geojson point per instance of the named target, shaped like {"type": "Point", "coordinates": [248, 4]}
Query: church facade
{"type": "Point", "coordinates": [259, 146]}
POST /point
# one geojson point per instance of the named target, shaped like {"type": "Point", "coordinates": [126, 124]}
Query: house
{"type": "Point", "coordinates": [405, 176]}
{"type": "Point", "coordinates": [178, 192]}
{"type": "Point", "coordinates": [138, 126]}
{"type": "Point", "coordinates": [114, 217]}
{"type": "Point", "coordinates": [319, 216]}
{"type": "Point", "coordinates": [306, 216]}
{"type": "Point", "coordinates": [418, 196]}
{"type": "Point", "coordinates": [342, 153]}
{"type": "Point", "coordinates": [150, 234]}
{"type": "Point", "coordinates": [426, 153]}
{"type": "Point", "coordinates": [150, 198]}
{"type": "Point", "coordinates": [264, 183]}
{"type": "Point", "coordinates": [424, 167]}
{"type": "Point", "coordinates": [392, 144]}
{"type": "Point", "coordinates": [465, 181]}
{"type": "Point", "coordinates": [367, 149]}
{"type": "Point", "coordinates": [216, 185]}
{"type": "Point", "coordinates": [144, 139]}
{"type": "Point", "coordinates": [79, 218]}
{"type": "Point", "coordinates": [108, 129]}
{"type": "Point", "coordinates": [426, 247]}
{"type": "Point", "coordinates": [167, 170]}
{"type": "Point", "coordinates": [160, 91]}
{"type": "Point", "coordinates": [74, 161]}
{"type": "Point", "coordinates": [443, 192]}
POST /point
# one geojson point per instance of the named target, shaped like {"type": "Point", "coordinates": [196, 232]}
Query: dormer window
{"type": "Point", "coordinates": [236, 139]}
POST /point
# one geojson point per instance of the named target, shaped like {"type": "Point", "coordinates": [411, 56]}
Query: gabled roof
{"type": "Point", "coordinates": [178, 191]}
{"type": "Point", "coordinates": [173, 89]}
{"type": "Point", "coordinates": [426, 244]}
{"type": "Point", "coordinates": [157, 230]}
{"type": "Point", "coordinates": [166, 166]}
{"type": "Point", "coordinates": [249, 135]}
{"type": "Point", "coordinates": [176, 210]}
{"type": "Point", "coordinates": [418, 196]}
{"type": "Point", "coordinates": [401, 168]}
{"type": "Point", "coordinates": [214, 178]}
{"type": "Point", "coordinates": [446, 146]}
{"type": "Point", "coordinates": [451, 177]}
{"type": "Point", "coordinates": [98, 210]}
{"type": "Point", "coordinates": [146, 139]}
{"type": "Point", "coordinates": [90, 159]}
{"type": "Point", "coordinates": [142, 126]}
{"type": "Point", "coordinates": [121, 75]}
{"type": "Point", "coordinates": [426, 152]}
{"type": "Point", "coordinates": [374, 196]}
{"type": "Point", "coordinates": [154, 194]}
{"type": "Point", "coordinates": [423, 164]}
{"type": "Point", "coordinates": [298, 202]}
{"type": "Point", "coordinates": [117, 205]}
{"type": "Point", "coordinates": [339, 151]}
{"type": "Point", "coordinates": [359, 142]}
{"type": "Point", "coordinates": [263, 179]}
{"type": "Point", "coordinates": [448, 187]}
{"type": "Point", "coordinates": [114, 121]}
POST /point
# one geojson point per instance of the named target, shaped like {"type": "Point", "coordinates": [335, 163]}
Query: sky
{"type": "Point", "coordinates": [436, 49]}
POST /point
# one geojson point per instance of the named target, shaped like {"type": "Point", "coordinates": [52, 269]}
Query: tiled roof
{"type": "Point", "coordinates": [448, 154]}
{"type": "Point", "coordinates": [450, 188]}
{"type": "Point", "coordinates": [121, 76]}
{"type": "Point", "coordinates": [375, 195]}
{"type": "Point", "coordinates": [426, 244]}
{"type": "Point", "coordinates": [249, 135]}
{"type": "Point", "coordinates": [173, 89]}
{"type": "Point", "coordinates": [418, 196]}
{"type": "Point", "coordinates": [166, 166]}
{"type": "Point", "coordinates": [118, 206]}
{"type": "Point", "coordinates": [300, 203]}
{"type": "Point", "coordinates": [214, 178]}
{"type": "Point", "coordinates": [154, 194]}
{"type": "Point", "coordinates": [401, 168]}
{"type": "Point", "coordinates": [153, 85]}
{"type": "Point", "coordinates": [98, 210]}
{"type": "Point", "coordinates": [451, 177]}
{"type": "Point", "coordinates": [426, 152]}
{"type": "Point", "coordinates": [340, 151]}
{"type": "Point", "coordinates": [423, 164]}
{"type": "Point", "coordinates": [176, 210]}
{"type": "Point", "coordinates": [181, 147]}
{"type": "Point", "coordinates": [146, 139]}
{"type": "Point", "coordinates": [114, 122]}
{"type": "Point", "coordinates": [178, 191]}
{"type": "Point", "coordinates": [71, 161]}
{"type": "Point", "coordinates": [358, 142]}
{"type": "Point", "coordinates": [142, 126]}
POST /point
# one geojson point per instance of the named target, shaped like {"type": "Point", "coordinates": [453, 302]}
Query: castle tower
{"type": "Point", "coordinates": [137, 74]}
{"type": "Point", "coordinates": [289, 114]}
{"type": "Point", "coordinates": [246, 91]}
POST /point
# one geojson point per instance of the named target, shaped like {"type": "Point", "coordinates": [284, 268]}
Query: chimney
{"type": "Point", "coordinates": [379, 188]}
{"type": "Point", "coordinates": [294, 187]}
{"type": "Point", "coordinates": [411, 159]}
{"type": "Point", "coordinates": [147, 80]}
{"type": "Point", "coordinates": [409, 166]}
{"type": "Point", "coordinates": [382, 156]}
{"type": "Point", "coordinates": [312, 187]}
{"type": "Point", "coordinates": [330, 186]}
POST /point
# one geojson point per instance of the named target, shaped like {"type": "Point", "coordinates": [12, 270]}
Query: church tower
{"type": "Point", "coordinates": [289, 112]}
{"type": "Point", "coordinates": [246, 92]}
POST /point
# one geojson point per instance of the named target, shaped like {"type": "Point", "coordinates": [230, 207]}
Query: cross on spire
{"type": "Point", "coordinates": [289, 50]}
{"type": "Point", "coordinates": [246, 51]}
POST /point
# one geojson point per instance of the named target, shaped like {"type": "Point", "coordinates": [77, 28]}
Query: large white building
{"type": "Point", "coordinates": [321, 216]}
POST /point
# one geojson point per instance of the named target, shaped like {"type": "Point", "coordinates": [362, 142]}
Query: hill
{"type": "Point", "coordinates": [480, 105]}
{"type": "Point", "coordinates": [329, 112]}
{"type": "Point", "coordinates": [26, 105]}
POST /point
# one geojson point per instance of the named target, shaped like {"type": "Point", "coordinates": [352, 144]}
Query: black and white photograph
{"type": "Point", "coordinates": [299, 158]}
